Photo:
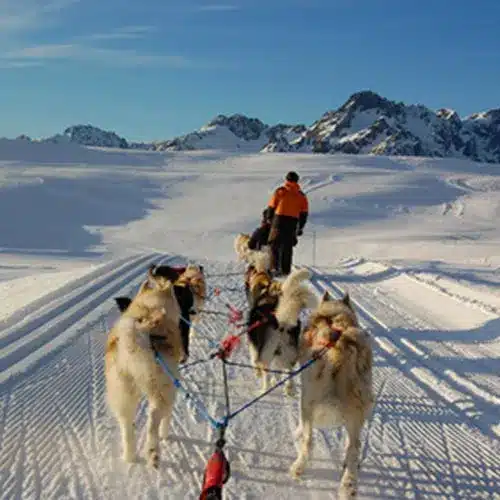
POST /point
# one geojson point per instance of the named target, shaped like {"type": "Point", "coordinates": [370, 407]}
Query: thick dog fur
{"type": "Point", "coordinates": [257, 276]}
{"type": "Point", "coordinates": [263, 337]}
{"type": "Point", "coordinates": [279, 305]}
{"type": "Point", "coordinates": [258, 258]}
{"type": "Point", "coordinates": [337, 388]}
{"type": "Point", "coordinates": [194, 277]}
{"type": "Point", "coordinates": [190, 290]}
{"type": "Point", "coordinates": [241, 245]}
{"type": "Point", "coordinates": [132, 371]}
{"type": "Point", "coordinates": [295, 296]}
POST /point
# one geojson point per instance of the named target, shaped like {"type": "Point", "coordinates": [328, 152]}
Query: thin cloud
{"type": "Point", "coordinates": [125, 33]}
{"type": "Point", "coordinates": [18, 17]}
{"type": "Point", "coordinates": [7, 64]}
{"type": "Point", "coordinates": [110, 57]}
{"type": "Point", "coordinates": [218, 8]}
{"type": "Point", "coordinates": [22, 15]}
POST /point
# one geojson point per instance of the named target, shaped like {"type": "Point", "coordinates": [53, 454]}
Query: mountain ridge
{"type": "Point", "coordinates": [367, 123]}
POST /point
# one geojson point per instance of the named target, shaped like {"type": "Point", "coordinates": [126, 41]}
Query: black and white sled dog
{"type": "Point", "coordinates": [274, 327]}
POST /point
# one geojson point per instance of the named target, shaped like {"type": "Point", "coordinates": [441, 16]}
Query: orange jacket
{"type": "Point", "coordinates": [288, 200]}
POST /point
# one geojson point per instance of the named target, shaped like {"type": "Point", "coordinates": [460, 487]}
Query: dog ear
{"type": "Point", "coordinates": [202, 269]}
{"type": "Point", "coordinates": [346, 299]}
{"type": "Point", "coordinates": [122, 303]}
{"type": "Point", "coordinates": [326, 296]}
{"type": "Point", "coordinates": [151, 273]}
{"type": "Point", "coordinates": [147, 284]}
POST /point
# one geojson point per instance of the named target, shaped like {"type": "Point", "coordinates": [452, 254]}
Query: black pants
{"type": "Point", "coordinates": [282, 256]}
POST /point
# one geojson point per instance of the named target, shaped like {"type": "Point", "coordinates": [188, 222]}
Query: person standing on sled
{"type": "Point", "coordinates": [287, 210]}
{"type": "Point", "coordinates": [261, 234]}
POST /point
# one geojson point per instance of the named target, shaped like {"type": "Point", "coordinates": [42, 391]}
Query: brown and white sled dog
{"type": "Point", "coordinates": [194, 277]}
{"type": "Point", "coordinates": [257, 275]}
{"type": "Point", "coordinates": [132, 371]}
{"type": "Point", "coordinates": [241, 245]}
{"type": "Point", "coordinates": [247, 254]}
{"type": "Point", "coordinates": [276, 338]}
{"type": "Point", "coordinates": [337, 388]}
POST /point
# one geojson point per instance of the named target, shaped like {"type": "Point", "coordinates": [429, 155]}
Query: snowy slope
{"type": "Point", "coordinates": [230, 133]}
{"type": "Point", "coordinates": [415, 241]}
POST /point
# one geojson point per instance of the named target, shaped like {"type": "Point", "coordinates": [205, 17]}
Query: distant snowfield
{"type": "Point", "coordinates": [415, 241]}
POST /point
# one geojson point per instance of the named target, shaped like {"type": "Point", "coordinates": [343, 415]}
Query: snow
{"type": "Point", "coordinates": [414, 240]}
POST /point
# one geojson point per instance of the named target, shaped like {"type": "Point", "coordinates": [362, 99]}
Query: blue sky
{"type": "Point", "coordinates": [153, 69]}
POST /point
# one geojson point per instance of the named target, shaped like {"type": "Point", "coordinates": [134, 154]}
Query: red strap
{"type": "Point", "coordinates": [235, 315]}
{"type": "Point", "coordinates": [255, 325]}
{"type": "Point", "coordinates": [228, 345]}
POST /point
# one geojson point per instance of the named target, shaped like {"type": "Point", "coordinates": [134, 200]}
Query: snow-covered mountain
{"type": "Point", "coordinates": [88, 135]}
{"type": "Point", "coordinates": [370, 124]}
{"type": "Point", "coordinates": [233, 132]}
{"type": "Point", "coordinates": [366, 124]}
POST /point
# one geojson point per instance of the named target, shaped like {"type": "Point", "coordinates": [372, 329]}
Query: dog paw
{"type": "Point", "coordinates": [153, 458]}
{"type": "Point", "coordinates": [346, 493]}
{"type": "Point", "coordinates": [348, 487]}
{"type": "Point", "coordinates": [296, 470]}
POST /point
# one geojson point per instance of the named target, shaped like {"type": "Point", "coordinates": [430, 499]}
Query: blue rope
{"type": "Point", "coordinates": [216, 424]}
{"type": "Point", "coordinates": [223, 423]}
{"type": "Point", "coordinates": [281, 382]}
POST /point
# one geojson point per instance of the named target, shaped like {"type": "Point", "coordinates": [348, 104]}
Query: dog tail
{"type": "Point", "coordinates": [294, 279]}
{"type": "Point", "coordinates": [295, 290]}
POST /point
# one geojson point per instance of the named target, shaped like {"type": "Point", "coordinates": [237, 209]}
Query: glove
{"type": "Point", "coordinates": [300, 232]}
{"type": "Point", "coordinates": [295, 241]}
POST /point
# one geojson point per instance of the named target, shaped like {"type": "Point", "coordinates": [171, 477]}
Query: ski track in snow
{"type": "Point", "coordinates": [432, 433]}
{"type": "Point", "coordinates": [435, 410]}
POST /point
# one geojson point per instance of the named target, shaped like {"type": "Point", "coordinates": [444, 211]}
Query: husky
{"type": "Point", "coordinates": [194, 278]}
{"type": "Point", "coordinates": [294, 298]}
{"type": "Point", "coordinates": [257, 275]}
{"type": "Point", "coordinates": [241, 245]}
{"type": "Point", "coordinates": [131, 369]}
{"type": "Point", "coordinates": [274, 324]}
{"type": "Point", "coordinates": [249, 255]}
{"type": "Point", "coordinates": [190, 291]}
{"type": "Point", "coordinates": [337, 387]}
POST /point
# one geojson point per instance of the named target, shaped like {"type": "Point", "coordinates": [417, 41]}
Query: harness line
{"type": "Point", "coordinates": [217, 471]}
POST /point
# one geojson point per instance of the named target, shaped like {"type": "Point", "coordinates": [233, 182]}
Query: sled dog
{"type": "Point", "coordinates": [294, 298]}
{"type": "Point", "coordinates": [241, 245]}
{"type": "Point", "coordinates": [337, 388]}
{"type": "Point", "coordinates": [190, 291]}
{"type": "Point", "coordinates": [274, 324]}
{"type": "Point", "coordinates": [194, 278]}
{"type": "Point", "coordinates": [131, 369]}
{"type": "Point", "coordinates": [257, 275]}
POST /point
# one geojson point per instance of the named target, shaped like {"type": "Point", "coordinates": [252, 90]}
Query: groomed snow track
{"type": "Point", "coordinates": [431, 435]}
